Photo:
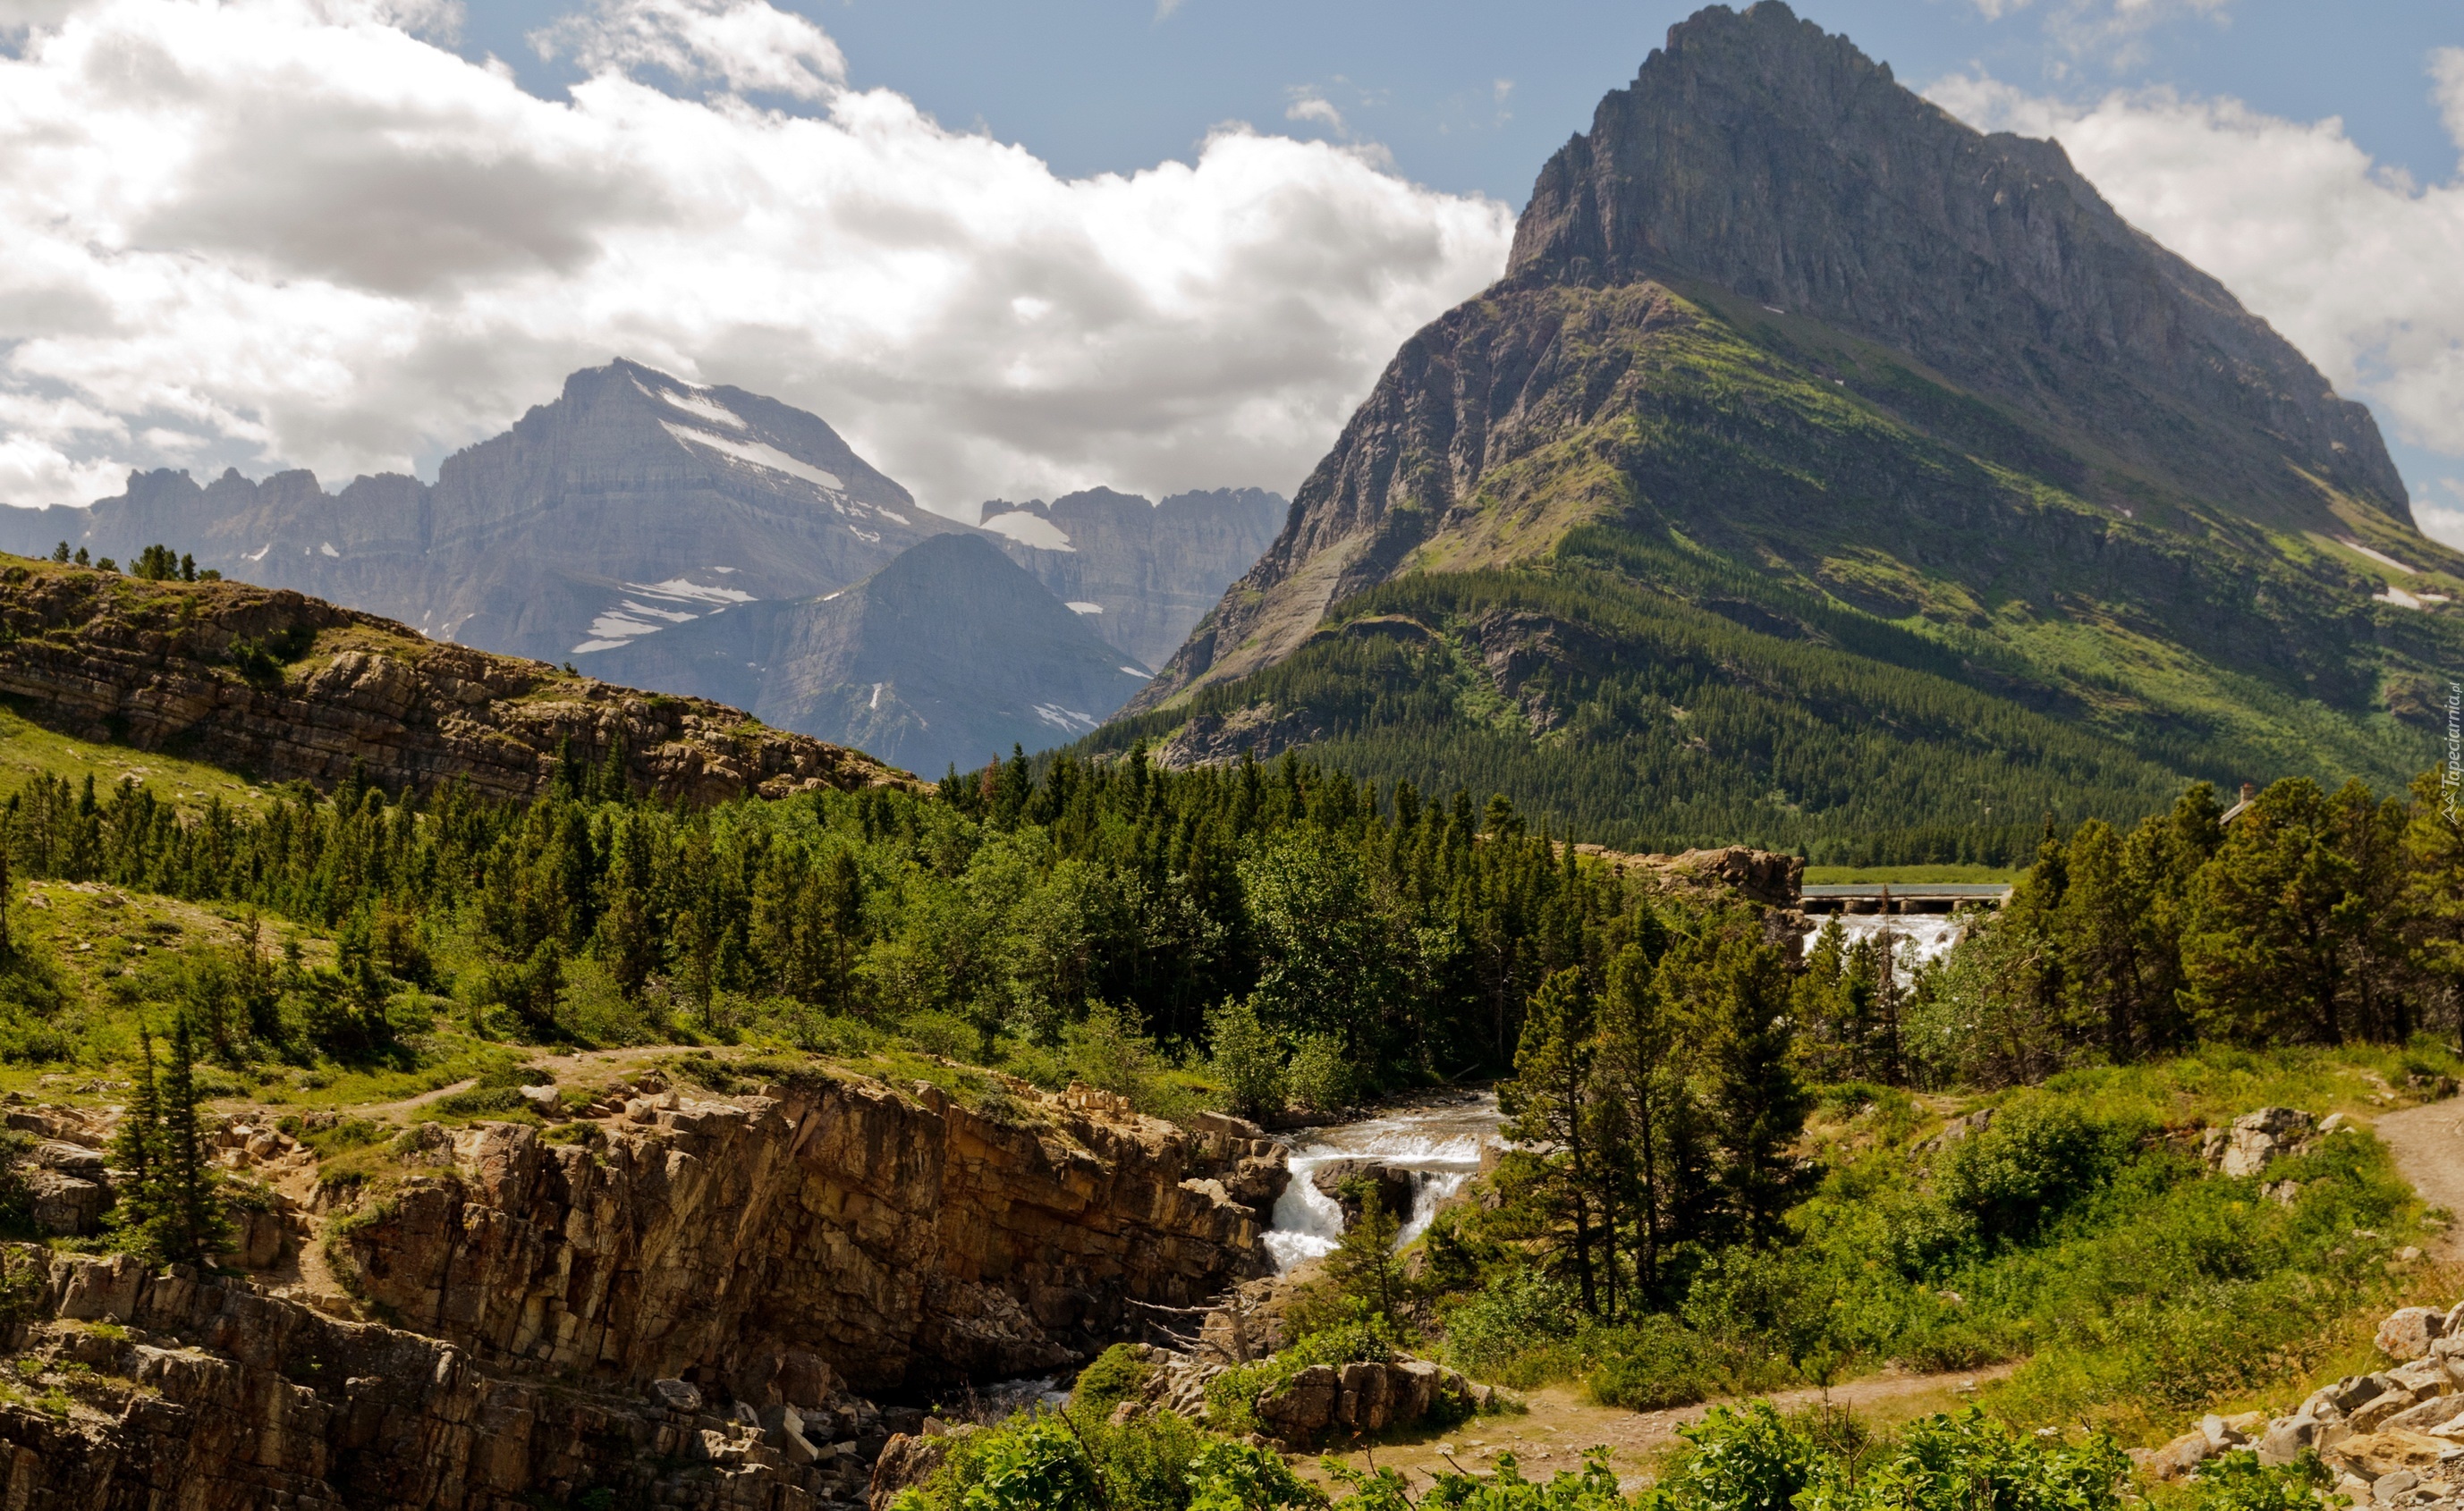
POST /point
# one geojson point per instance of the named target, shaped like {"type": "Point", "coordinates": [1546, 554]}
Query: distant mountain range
{"type": "Point", "coordinates": [637, 506]}
{"type": "Point", "coordinates": [1136, 571]}
{"type": "Point", "coordinates": [1823, 472]}
{"type": "Point", "coordinates": [950, 655]}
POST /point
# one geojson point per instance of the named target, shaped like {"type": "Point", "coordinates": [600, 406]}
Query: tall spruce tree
{"type": "Point", "coordinates": [1548, 1109]}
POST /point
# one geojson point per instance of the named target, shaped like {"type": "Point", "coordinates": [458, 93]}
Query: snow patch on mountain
{"type": "Point", "coordinates": [694, 404]}
{"type": "Point", "coordinates": [753, 454]}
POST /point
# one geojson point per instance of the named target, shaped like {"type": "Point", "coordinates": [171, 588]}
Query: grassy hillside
{"type": "Point", "coordinates": [1762, 583]}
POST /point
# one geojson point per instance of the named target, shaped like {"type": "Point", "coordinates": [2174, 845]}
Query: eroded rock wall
{"type": "Point", "coordinates": [901, 1237]}
{"type": "Point", "coordinates": [208, 1396]}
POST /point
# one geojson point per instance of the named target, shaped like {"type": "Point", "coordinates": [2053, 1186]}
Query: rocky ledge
{"type": "Point", "coordinates": [650, 1297]}
{"type": "Point", "coordinates": [2393, 1438]}
{"type": "Point", "coordinates": [283, 686]}
{"type": "Point", "coordinates": [899, 1235]}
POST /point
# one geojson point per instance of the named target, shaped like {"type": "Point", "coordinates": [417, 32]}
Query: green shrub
{"type": "Point", "coordinates": [1741, 1459]}
{"type": "Point", "coordinates": [1117, 1374]}
{"type": "Point", "coordinates": [1518, 1310]}
{"type": "Point", "coordinates": [2038, 1158]}
{"type": "Point", "coordinates": [1321, 1077]}
{"type": "Point", "coordinates": [1237, 1476]}
{"type": "Point", "coordinates": [1246, 1060]}
{"type": "Point", "coordinates": [1653, 1363]}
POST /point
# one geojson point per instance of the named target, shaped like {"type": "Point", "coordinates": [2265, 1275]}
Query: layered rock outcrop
{"type": "Point", "coordinates": [676, 1308]}
{"type": "Point", "coordinates": [268, 682]}
{"type": "Point", "coordinates": [206, 1394]}
{"type": "Point", "coordinates": [901, 1237]}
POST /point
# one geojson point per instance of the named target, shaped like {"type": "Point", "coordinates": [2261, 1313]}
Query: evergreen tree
{"type": "Point", "coordinates": [2268, 944]}
{"type": "Point", "coordinates": [1756, 1103]}
{"type": "Point", "coordinates": [2434, 891]}
{"type": "Point", "coordinates": [1548, 1109]}
{"type": "Point", "coordinates": [137, 1150]}
{"type": "Point", "coordinates": [190, 1223]}
{"type": "Point", "coordinates": [1363, 1265]}
{"type": "Point", "coordinates": [1650, 1135]}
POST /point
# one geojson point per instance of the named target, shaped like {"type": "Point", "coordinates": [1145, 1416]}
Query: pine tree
{"type": "Point", "coordinates": [137, 1151]}
{"type": "Point", "coordinates": [192, 1225]}
{"type": "Point", "coordinates": [1548, 1107]}
{"type": "Point", "coordinates": [1363, 1265]}
{"type": "Point", "coordinates": [1757, 1103]}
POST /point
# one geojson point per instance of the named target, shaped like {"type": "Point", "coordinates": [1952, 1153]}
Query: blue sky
{"type": "Point", "coordinates": [1098, 85]}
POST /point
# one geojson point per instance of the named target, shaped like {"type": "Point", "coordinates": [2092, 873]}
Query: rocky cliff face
{"type": "Point", "coordinates": [1143, 574]}
{"type": "Point", "coordinates": [1759, 166]}
{"type": "Point", "coordinates": [268, 682]}
{"type": "Point", "coordinates": [632, 502]}
{"type": "Point", "coordinates": [1801, 396]}
{"type": "Point", "coordinates": [952, 655]}
{"type": "Point", "coordinates": [676, 1309]}
{"type": "Point", "coordinates": [1759, 153]}
{"type": "Point", "coordinates": [902, 1237]}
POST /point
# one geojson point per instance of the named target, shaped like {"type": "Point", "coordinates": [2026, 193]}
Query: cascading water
{"type": "Point", "coordinates": [1439, 1144]}
{"type": "Point", "coordinates": [1915, 937]}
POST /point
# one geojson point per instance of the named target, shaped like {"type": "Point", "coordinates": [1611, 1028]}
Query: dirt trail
{"type": "Point", "coordinates": [1562, 1426]}
{"type": "Point", "coordinates": [2427, 1144]}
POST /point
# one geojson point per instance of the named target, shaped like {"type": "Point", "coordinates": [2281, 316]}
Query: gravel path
{"type": "Point", "coordinates": [1562, 1425]}
{"type": "Point", "coordinates": [2428, 1143]}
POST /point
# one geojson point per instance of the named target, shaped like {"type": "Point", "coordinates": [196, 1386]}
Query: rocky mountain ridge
{"type": "Point", "coordinates": [634, 501]}
{"type": "Point", "coordinates": [1144, 574]}
{"type": "Point", "coordinates": [1951, 435]}
{"type": "Point", "coordinates": [280, 685]}
{"type": "Point", "coordinates": [950, 655]}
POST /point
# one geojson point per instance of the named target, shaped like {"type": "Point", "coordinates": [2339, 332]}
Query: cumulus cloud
{"type": "Point", "coordinates": [2352, 261]}
{"type": "Point", "coordinates": [286, 233]}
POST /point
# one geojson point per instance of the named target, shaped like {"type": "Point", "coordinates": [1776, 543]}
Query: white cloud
{"type": "Point", "coordinates": [1308, 105]}
{"type": "Point", "coordinates": [2352, 262]}
{"type": "Point", "coordinates": [743, 45]}
{"type": "Point", "coordinates": [291, 233]}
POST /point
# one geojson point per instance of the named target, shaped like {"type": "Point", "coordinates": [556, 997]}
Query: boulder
{"type": "Point", "coordinates": [2386, 1404]}
{"type": "Point", "coordinates": [257, 1240]}
{"type": "Point", "coordinates": [64, 1205]}
{"type": "Point", "coordinates": [2409, 1333]}
{"type": "Point", "coordinates": [2287, 1437]}
{"type": "Point", "coordinates": [2257, 1138]}
{"type": "Point", "coordinates": [908, 1459]}
{"type": "Point", "coordinates": [1305, 1406]}
{"type": "Point", "coordinates": [2376, 1454]}
{"type": "Point", "coordinates": [2177, 1460]}
{"type": "Point", "coordinates": [2426, 1415]}
{"type": "Point", "coordinates": [1362, 1397]}
{"type": "Point", "coordinates": [1395, 1188]}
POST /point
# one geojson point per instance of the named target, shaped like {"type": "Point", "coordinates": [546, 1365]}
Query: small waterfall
{"type": "Point", "coordinates": [1440, 1144]}
{"type": "Point", "coordinates": [1919, 937]}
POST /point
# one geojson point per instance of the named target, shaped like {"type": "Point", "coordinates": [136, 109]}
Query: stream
{"type": "Point", "coordinates": [1920, 937]}
{"type": "Point", "coordinates": [1439, 1141]}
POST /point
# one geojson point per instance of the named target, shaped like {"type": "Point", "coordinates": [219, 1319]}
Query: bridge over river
{"type": "Point", "coordinates": [1913, 897]}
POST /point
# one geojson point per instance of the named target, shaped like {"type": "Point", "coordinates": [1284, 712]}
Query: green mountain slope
{"type": "Point", "coordinates": [1666, 558]}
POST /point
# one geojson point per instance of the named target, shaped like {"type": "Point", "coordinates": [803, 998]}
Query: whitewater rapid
{"type": "Point", "coordinates": [1917, 938]}
{"type": "Point", "coordinates": [1438, 1142]}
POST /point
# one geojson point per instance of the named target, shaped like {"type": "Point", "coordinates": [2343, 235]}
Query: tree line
{"type": "Point", "coordinates": [1363, 938]}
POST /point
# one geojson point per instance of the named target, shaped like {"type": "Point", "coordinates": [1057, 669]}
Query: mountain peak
{"type": "Point", "coordinates": [1760, 153]}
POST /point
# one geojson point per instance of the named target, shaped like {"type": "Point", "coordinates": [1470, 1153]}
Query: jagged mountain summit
{"type": "Point", "coordinates": [952, 655]}
{"type": "Point", "coordinates": [1143, 572]}
{"type": "Point", "coordinates": [1823, 467]}
{"type": "Point", "coordinates": [634, 501]}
